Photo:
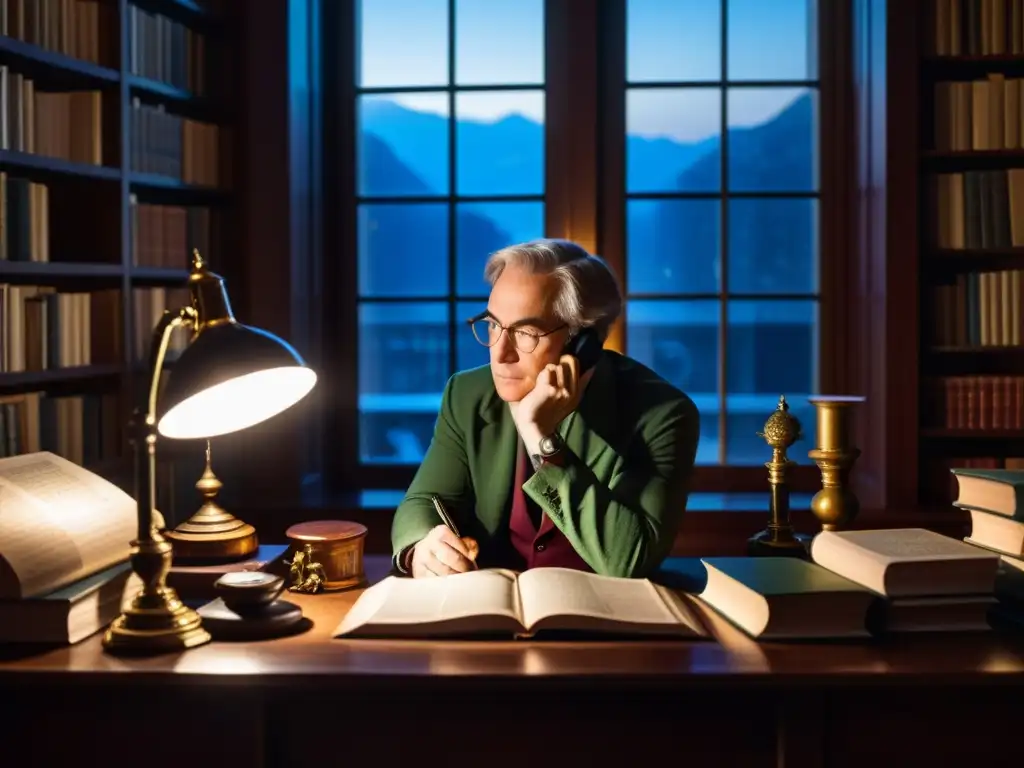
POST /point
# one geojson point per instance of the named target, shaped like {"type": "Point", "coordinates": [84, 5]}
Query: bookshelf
{"type": "Point", "coordinates": [971, 235]}
{"type": "Point", "coordinates": [114, 163]}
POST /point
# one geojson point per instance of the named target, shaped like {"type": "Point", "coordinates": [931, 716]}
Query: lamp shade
{"type": "Point", "coordinates": [229, 378]}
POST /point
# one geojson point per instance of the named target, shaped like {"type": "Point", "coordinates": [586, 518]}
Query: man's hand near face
{"type": "Point", "coordinates": [554, 396]}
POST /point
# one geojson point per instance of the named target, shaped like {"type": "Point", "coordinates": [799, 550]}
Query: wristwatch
{"type": "Point", "coordinates": [549, 446]}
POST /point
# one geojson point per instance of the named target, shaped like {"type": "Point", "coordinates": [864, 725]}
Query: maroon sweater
{"type": "Point", "coordinates": [536, 539]}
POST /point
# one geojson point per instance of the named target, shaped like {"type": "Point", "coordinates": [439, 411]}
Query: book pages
{"type": "Point", "coordinates": [396, 601]}
{"type": "Point", "coordinates": [565, 592]}
{"type": "Point", "coordinates": [58, 523]}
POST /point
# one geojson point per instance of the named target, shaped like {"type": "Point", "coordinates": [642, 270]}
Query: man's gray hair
{"type": "Point", "coordinates": [588, 294]}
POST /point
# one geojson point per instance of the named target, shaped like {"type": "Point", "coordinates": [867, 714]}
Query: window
{"type": "Point", "coordinates": [450, 167]}
{"type": "Point", "coordinates": [714, 228]}
{"type": "Point", "coordinates": [722, 210]}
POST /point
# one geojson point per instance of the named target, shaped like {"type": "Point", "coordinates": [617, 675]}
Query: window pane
{"type": "Point", "coordinates": [772, 140]}
{"type": "Point", "coordinates": [772, 351]}
{"type": "Point", "coordinates": [672, 139]}
{"type": "Point", "coordinates": [482, 229]}
{"type": "Point", "coordinates": [403, 249]}
{"type": "Point", "coordinates": [676, 40]}
{"type": "Point", "coordinates": [403, 366]}
{"type": "Point", "coordinates": [672, 246]}
{"type": "Point", "coordinates": [402, 43]}
{"type": "Point", "coordinates": [500, 143]}
{"type": "Point", "coordinates": [470, 352]}
{"type": "Point", "coordinates": [773, 245]}
{"type": "Point", "coordinates": [403, 145]}
{"type": "Point", "coordinates": [499, 42]}
{"type": "Point", "coordinates": [679, 340]}
{"type": "Point", "coordinates": [772, 41]}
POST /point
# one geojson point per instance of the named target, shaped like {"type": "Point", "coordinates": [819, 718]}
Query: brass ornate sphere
{"type": "Point", "coordinates": [782, 428]}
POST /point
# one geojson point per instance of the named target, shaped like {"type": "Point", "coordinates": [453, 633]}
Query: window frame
{"type": "Point", "coordinates": [584, 200]}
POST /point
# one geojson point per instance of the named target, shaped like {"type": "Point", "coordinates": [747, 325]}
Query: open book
{"type": "Point", "coordinates": [58, 524]}
{"type": "Point", "coordinates": [520, 605]}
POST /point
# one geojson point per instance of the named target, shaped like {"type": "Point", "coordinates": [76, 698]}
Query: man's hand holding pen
{"type": "Point", "coordinates": [442, 553]}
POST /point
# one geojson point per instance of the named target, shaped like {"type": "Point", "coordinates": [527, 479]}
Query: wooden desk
{"type": "Point", "coordinates": [310, 700]}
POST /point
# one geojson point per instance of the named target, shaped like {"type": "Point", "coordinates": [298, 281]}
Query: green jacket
{"type": "Point", "coordinates": [619, 497]}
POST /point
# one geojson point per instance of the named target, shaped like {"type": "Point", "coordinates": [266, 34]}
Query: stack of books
{"type": "Point", "coordinates": [65, 537]}
{"type": "Point", "coordinates": [859, 583]}
{"type": "Point", "coordinates": [925, 581]}
{"type": "Point", "coordinates": [994, 498]}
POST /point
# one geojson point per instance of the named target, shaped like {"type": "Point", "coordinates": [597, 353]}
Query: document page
{"type": "Point", "coordinates": [58, 523]}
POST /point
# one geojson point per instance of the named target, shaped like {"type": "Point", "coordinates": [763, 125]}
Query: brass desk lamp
{"type": "Point", "coordinates": [229, 378]}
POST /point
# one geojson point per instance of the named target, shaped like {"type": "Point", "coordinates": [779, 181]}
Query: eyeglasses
{"type": "Point", "coordinates": [487, 331]}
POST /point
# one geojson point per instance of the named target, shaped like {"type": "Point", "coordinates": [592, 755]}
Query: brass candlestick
{"type": "Point", "coordinates": [779, 540]}
{"type": "Point", "coordinates": [212, 534]}
{"type": "Point", "coordinates": [835, 505]}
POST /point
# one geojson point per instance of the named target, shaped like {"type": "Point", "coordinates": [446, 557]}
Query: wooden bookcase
{"type": "Point", "coordinates": [971, 236]}
{"type": "Point", "coordinates": [115, 162]}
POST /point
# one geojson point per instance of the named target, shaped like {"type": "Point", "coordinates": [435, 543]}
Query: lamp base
{"type": "Point", "coordinates": [158, 623]}
{"type": "Point", "coordinates": [212, 535]}
{"type": "Point", "coordinates": [201, 539]}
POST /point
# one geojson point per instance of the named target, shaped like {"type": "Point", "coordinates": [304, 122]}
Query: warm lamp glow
{"type": "Point", "coordinates": [237, 403]}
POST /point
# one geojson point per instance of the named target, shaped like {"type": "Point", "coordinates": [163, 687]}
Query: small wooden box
{"type": "Point", "coordinates": [337, 545]}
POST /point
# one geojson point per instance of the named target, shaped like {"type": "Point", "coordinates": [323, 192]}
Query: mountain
{"type": "Point", "coordinates": [771, 246]}
{"type": "Point", "coordinates": [394, 237]}
{"type": "Point", "coordinates": [502, 157]}
{"type": "Point", "coordinates": [771, 242]}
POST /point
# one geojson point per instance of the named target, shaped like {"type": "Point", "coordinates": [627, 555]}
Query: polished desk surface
{"type": "Point", "coordinates": [954, 658]}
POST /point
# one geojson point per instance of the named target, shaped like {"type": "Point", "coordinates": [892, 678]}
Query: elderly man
{"type": "Point", "coordinates": [541, 464]}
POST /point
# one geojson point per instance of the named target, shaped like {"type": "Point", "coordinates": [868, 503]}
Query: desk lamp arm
{"type": "Point", "coordinates": [144, 431]}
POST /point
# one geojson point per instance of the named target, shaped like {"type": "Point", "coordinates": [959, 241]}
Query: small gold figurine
{"type": "Point", "coordinates": [305, 574]}
{"type": "Point", "coordinates": [780, 432]}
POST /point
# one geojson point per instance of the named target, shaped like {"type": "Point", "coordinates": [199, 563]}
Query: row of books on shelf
{"type": "Point", "coordinates": [164, 235]}
{"type": "Point", "coordinates": [43, 328]}
{"type": "Point", "coordinates": [979, 309]}
{"type": "Point", "coordinates": [74, 29]}
{"type": "Point", "coordinates": [86, 429]}
{"type": "Point", "coordinates": [978, 209]}
{"type": "Point", "coordinates": [975, 402]}
{"type": "Point", "coordinates": [24, 219]}
{"type": "Point", "coordinates": [160, 47]}
{"type": "Point", "coordinates": [171, 145]}
{"type": "Point", "coordinates": [979, 114]}
{"type": "Point", "coordinates": [166, 50]}
{"type": "Point", "coordinates": [975, 27]}
{"type": "Point", "coordinates": [68, 126]}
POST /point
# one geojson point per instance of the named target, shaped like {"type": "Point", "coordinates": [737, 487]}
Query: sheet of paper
{"type": "Point", "coordinates": [59, 523]}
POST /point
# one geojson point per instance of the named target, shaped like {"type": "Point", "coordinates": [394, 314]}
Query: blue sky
{"type": "Point", "coordinates": [404, 43]}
